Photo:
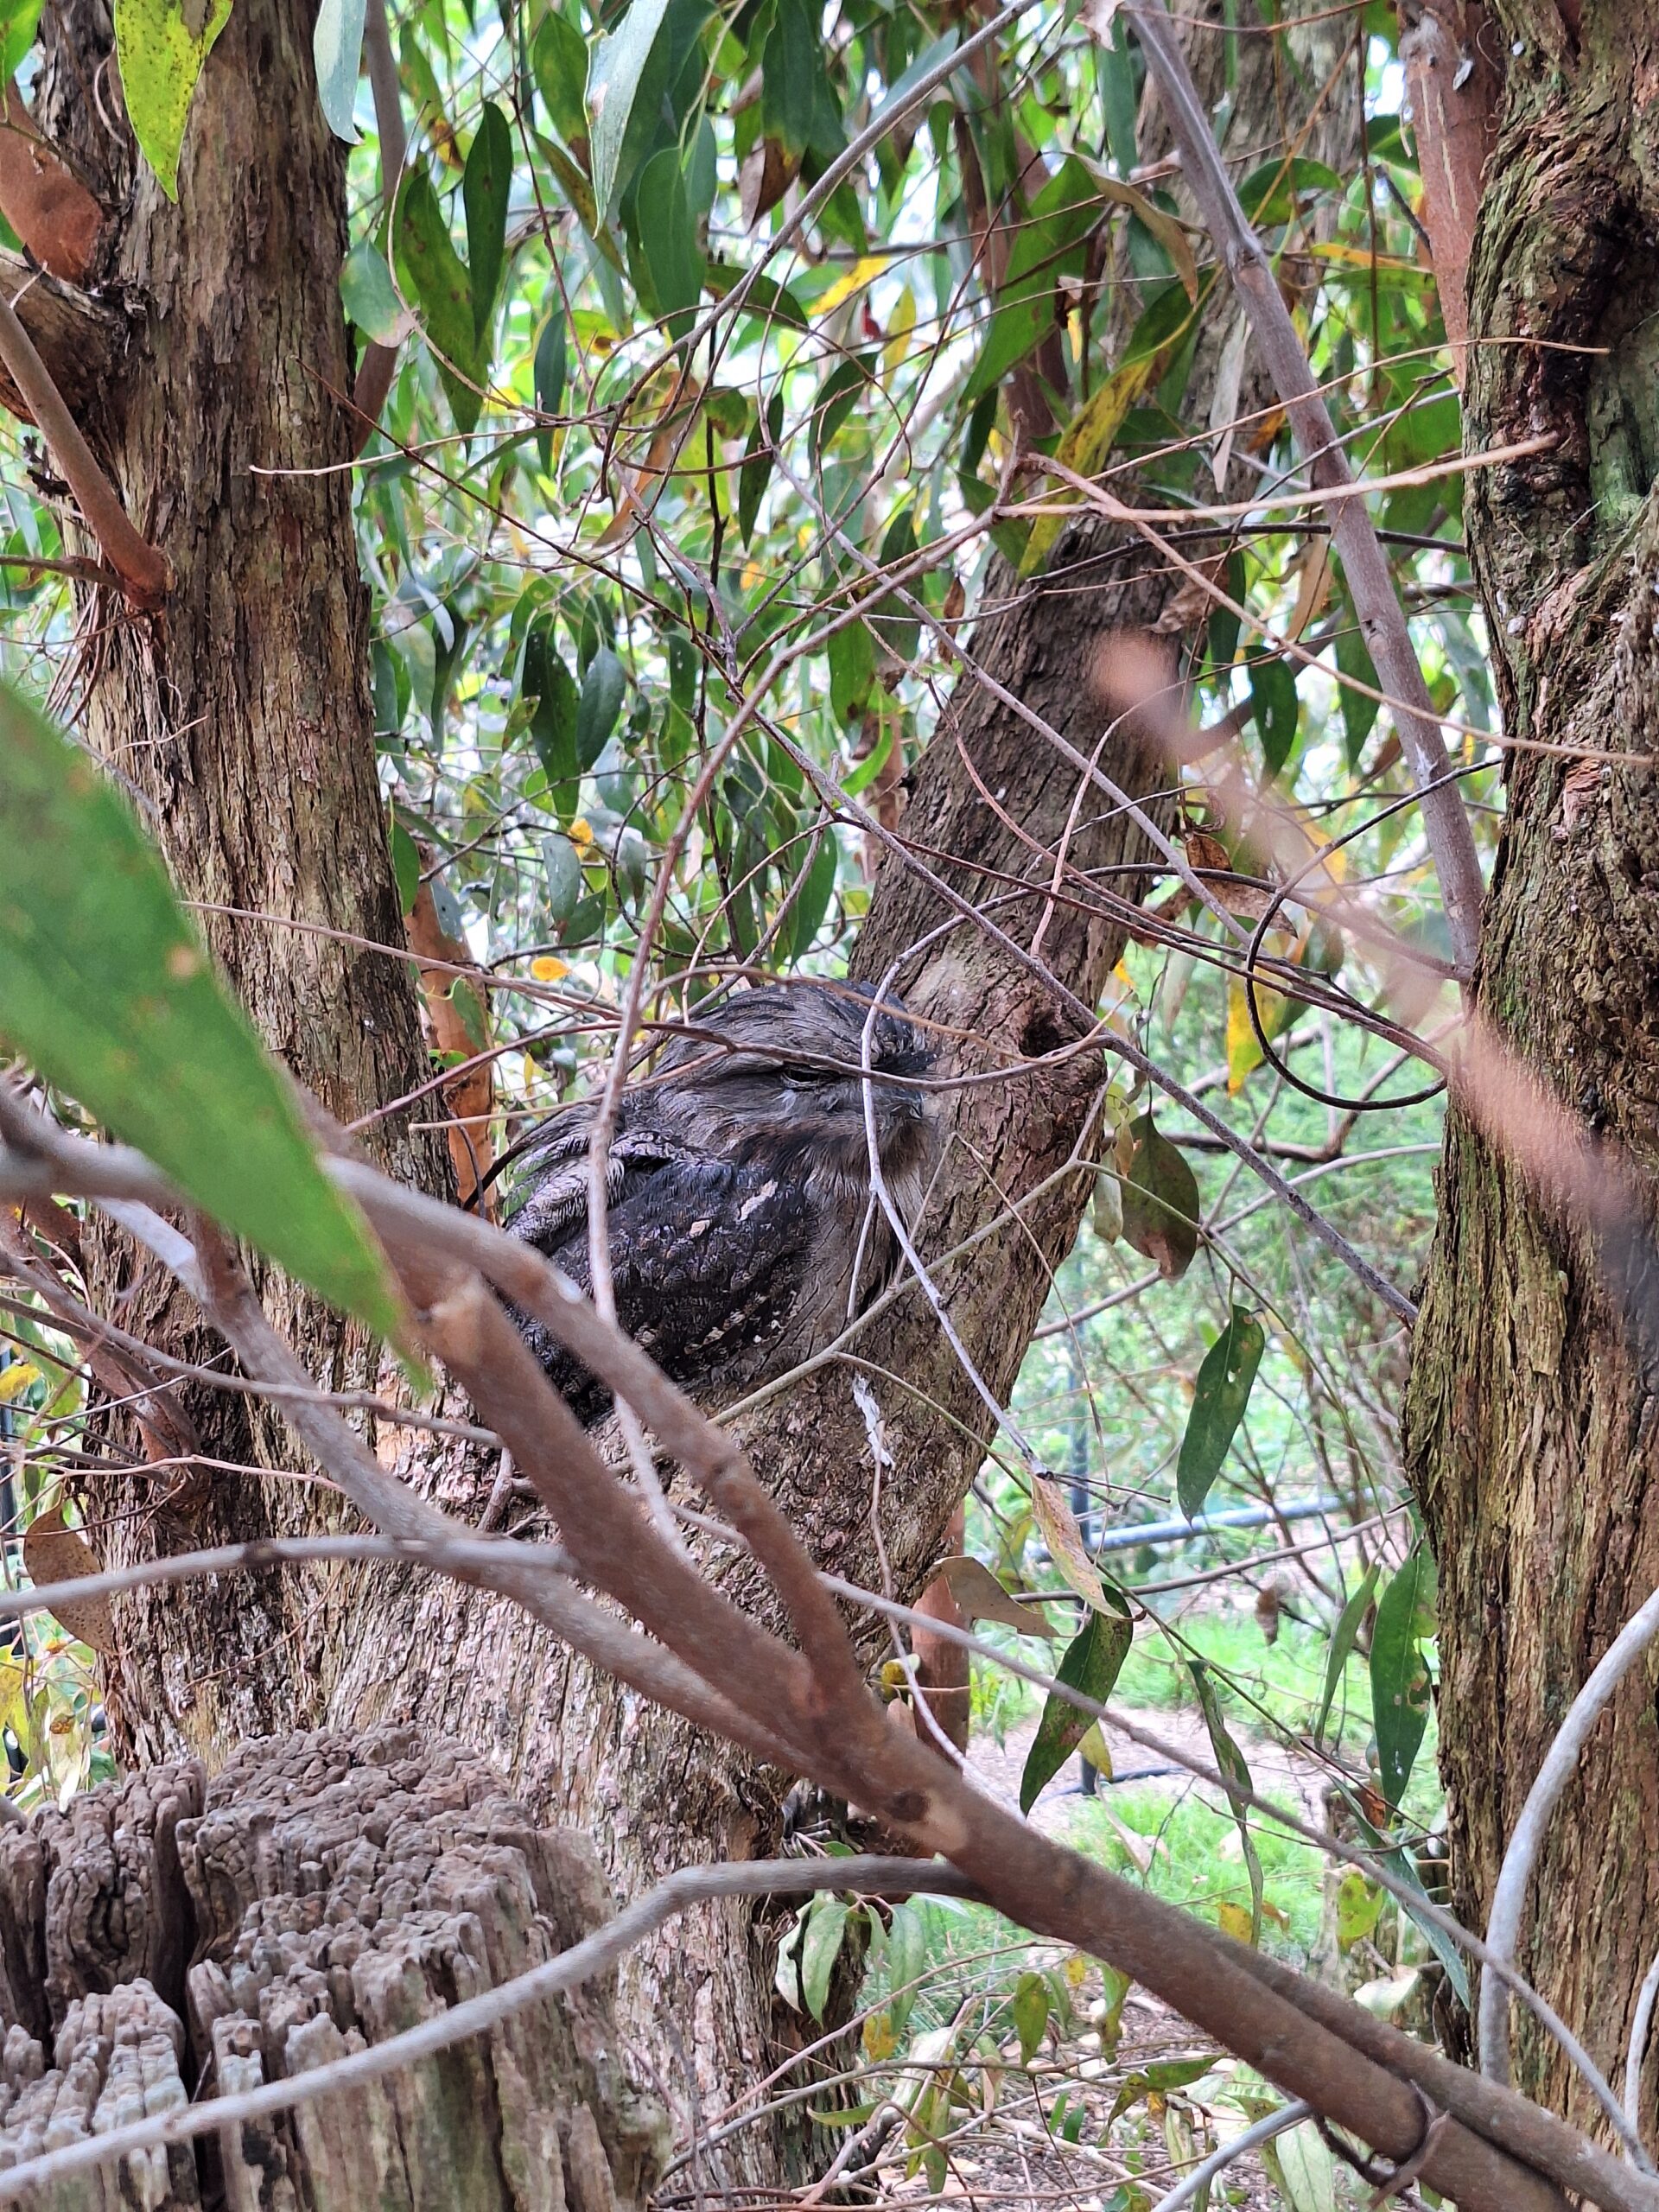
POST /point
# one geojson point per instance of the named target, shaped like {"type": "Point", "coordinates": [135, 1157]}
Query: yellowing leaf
{"type": "Point", "coordinates": [1088, 439]}
{"type": "Point", "coordinates": [1065, 1539]}
{"type": "Point", "coordinates": [546, 970]}
{"type": "Point", "coordinates": [16, 1379]}
{"type": "Point", "coordinates": [54, 1552]}
{"type": "Point", "coordinates": [863, 272]}
{"type": "Point", "coordinates": [1234, 1921]}
{"type": "Point", "coordinates": [1243, 1053]}
{"type": "Point", "coordinates": [161, 46]}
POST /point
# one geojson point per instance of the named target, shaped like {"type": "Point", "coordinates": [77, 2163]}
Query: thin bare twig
{"type": "Point", "coordinates": [1352, 533]}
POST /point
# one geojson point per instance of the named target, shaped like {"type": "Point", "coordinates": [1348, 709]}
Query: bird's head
{"type": "Point", "coordinates": [778, 1072]}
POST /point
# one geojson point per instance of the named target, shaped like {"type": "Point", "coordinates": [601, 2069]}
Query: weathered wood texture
{"type": "Point", "coordinates": [1530, 1433]}
{"type": "Point", "coordinates": [173, 1935]}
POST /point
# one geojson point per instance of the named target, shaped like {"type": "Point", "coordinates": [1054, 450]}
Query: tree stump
{"type": "Point", "coordinates": [175, 1935]}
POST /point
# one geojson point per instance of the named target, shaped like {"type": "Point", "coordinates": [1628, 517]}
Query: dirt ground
{"type": "Point", "coordinates": [1012, 2161]}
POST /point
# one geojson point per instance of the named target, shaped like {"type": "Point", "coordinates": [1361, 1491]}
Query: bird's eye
{"type": "Point", "coordinates": [798, 1077]}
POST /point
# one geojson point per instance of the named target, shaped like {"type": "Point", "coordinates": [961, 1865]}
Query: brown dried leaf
{"type": "Point", "coordinates": [1065, 1541]}
{"type": "Point", "coordinates": [981, 1597]}
{"type": "Point", "coordinates": [766, 176]}
{"type": "Point", "coordinates": [54, 1552]}
{"type": "Point", "coordinates": [1204, 851]}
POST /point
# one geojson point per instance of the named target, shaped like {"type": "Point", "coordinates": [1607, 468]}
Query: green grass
{"type": "Point", "coordinates": [1198, 1859]}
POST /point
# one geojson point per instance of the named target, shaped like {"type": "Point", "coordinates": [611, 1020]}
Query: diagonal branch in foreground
{"type": "Point", "coordinates": [1351, 2068]}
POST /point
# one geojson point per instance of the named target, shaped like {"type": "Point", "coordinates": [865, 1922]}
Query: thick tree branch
{"type": "Point", "coordinates": [1376, 601]}
{"type": "Point", "coordinates": [79, 340]}
{"type": "Point", "coordinates": [145, 575]}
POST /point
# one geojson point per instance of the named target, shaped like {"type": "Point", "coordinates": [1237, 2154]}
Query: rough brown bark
{"type": "Point", "coordinates": [174, 1934]}
{"type": "Point", "coordinates": [1530, 1430]}
{"type": "Point", "coordinates": [241, 720]}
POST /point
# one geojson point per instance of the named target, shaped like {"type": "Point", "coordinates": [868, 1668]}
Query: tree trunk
{"type": "Point", "coordinates": [995, 798]}
{"type": "Point", "coordinates": [244, 723]}
{"type": "Point", "coordinates": [241, 721]}
{"type": "Point", "coordinates": [170, 1936]}
{"type": "Point", "coordinates": [1530, 1431]}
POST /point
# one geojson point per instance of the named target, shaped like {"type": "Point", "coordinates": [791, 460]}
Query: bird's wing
{"type": "Point", "coordinates": [557, 1204]}
{"type": "Point", "coordinates": [706, 1263]}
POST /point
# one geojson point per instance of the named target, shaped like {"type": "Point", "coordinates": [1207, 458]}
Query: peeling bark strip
{"type": "Point", "coordinates": [1451, 52]}
{"type": "Point", "coordinates": [1530, 1429]}
{"type": "Point", "coordinates": [171, 1934]}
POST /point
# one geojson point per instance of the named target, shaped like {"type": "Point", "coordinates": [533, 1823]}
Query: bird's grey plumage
{"type": "Point", "coordinates": [741, 1230]}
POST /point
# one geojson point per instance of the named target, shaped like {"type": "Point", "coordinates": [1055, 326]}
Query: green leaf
{"type": "Point", "coordinates": [798, 107]}
{"type": "Point", "coordinates": [1358, 713]}
{"type": "Point", "coordinates": [1400, 1685]}
{"type": "Point", "coordinates": [1236, 1775]}
{"type": "Point", "coordinates": [1359, 1907]}
{"type": "Point", "coordinates": [602, 687]}
{"type": "Point", "coordinates": [435, 274]}
{"type": "Point", "coordinates": [1114, 73]}
{"type": "Point", "coordinates": [1268, 194]}
{"type": "Point", "coordinates": [549, 373]}
{"type": "Point", "coordinates": [895, 627]}
{"type": "Point", "coordinates": [553, 722]}
{"type": "Point", "coordinates": [907, 1958]}
{"type": "Point", "coordinates": [1029, 2009]}
{"type": "Point", "coordinates": [485, 187]}
{"type": "Point", "coordinates": [1161, 1204]}
{"type": "Point", "coordinates": [837, 396]}
{"type": "Point", "coordinates": [852, 670]}
{"type": "Point", "coordinates": [615, 74]}
{"type": "Point", "coordinates": [337, 48]}
{"type": "Point", "coordinates": [1158, 2079]}
{"type": "Point", "coordinates": [1218, 1403]}
{"type": "Point", "coordinates": [563, 872]}
{"type": "Point", "coordinates": [1048, 245]}
{"type": "Point", "coordinates": [370, 297]}
{"type": "Point", "coordinates": [816, 893]}
{"type": "Point", "coordinates": [106, 991]}
{"type": "Point", "coordinates": [1274, 703]}
{"type": "Point", "coordinates": [1404, 1866]}
{"type": "Point", "coordinates": [405, 867]}
{"type": "Point", "coordinates": [18, 25]}
{"type": "Point", "coordinates": [826, 1928]}
{"type": "Point", "coordinates": [752, 477]}
{"type": "Point", "coordinates": [1342, 1642]}
{"type": "Point", "coordinates": [159, 56]}
{"type": "Point", "coordinates": [1091, 1664]}
{"type": "Point", "coordinates": [558, 61]}
{"type": "Point", "coordinates": [1301, 2164]}
{"type": "Point", "coordinates": [668, 236]}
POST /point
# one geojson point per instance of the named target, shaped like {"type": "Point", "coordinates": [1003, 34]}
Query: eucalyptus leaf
{"type": "Point", "coordinates": [485, 189]}
{"type": "Point", "coordinates": [1218, 1402]}
{"type": "Point", "coordinates": [1400, 1681]}
{"type": "Point", "coordinates": [1093, 1661]}
{"type": "Point", "coordinates": [1161, 1204]}
{"type": "Point", "coordinates": [337, 48]}
{"type": "Point", "coordinates": [160, 46]}
{"type": "Point", "coordinates": [614, 73]}
{"type": "Point", "coordinates": [106, 991]}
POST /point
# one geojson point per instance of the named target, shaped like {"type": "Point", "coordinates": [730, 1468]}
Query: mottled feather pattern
{"type": "Point", "coordinates": [738, 1186]}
